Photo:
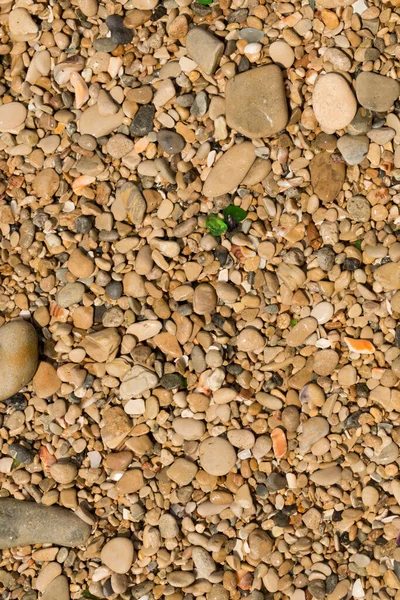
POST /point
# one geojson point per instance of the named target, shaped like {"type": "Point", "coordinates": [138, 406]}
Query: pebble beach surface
{"type": "Point", "coordinates": [200, 300]}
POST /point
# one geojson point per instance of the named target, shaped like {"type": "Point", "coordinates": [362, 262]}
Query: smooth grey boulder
{"type": "Point", "coordinates": [27, 523]}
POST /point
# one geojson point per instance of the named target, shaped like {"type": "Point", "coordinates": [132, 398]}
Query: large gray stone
{"type": "Point", "coordinates": [27, 523]}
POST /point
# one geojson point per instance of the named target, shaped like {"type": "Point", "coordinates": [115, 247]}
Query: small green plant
{"type": "Point", "coordinates": [87, 594]}
{"type": "Point", "coordinates": [358, 244]}
{"type": "Point", "coordinates": [293, 322]}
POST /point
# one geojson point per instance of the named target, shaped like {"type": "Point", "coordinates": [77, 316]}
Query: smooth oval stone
{"type": "Point", "coordinates": [18, 356]}
{"type": "Point", "coordinates": [281, 53]}
{"type": "Point", "coordinates": [256, 104]}
{"type": "Point", "coordinates": [170, 141]}
{"type": "Point", "coordinates": [12, 116]}
{"type": "Point", "coordinates": [327, 176]}
{"type": "Point", "coordinates": [217, 456]}
{"type": "Point", "coordinates": [118, 554]}
{"type": "Point", "coordinates": [27, 523]}
{"type": "Point", "coordinates": [326, 477]}
{"type": "Point", "coordinates": [230, 170]}
{"type": "Point", "coordinates": [204, 299]}
{"type": "Point", "coordinates": [70, 294]}
{"type": "Point", "coordinates": [333, 102]}
{"type": "Point", "coordinates": [189, 429]}
{"type": "Point", "coordinates": [376, 92]}
{"type": "Point", "coordinates": [323, 312]}
{"type": "Point", "coordinates": [300, 332]}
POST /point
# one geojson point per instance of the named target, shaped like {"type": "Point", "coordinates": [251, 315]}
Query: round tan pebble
{"type": "Point", "coordinates": [19, 353]}
{"type": "Point", "coordinates": [46, 381]}
{"type": "Point", "coordinates": [180, 579]}
{"type": "Point", "coordinates": [250, 340]}
{"type": "Point", "coordinates": [281, 53]}
{"type": "Point", "coordinates": [63, 473]}
{"type": "Point", "coordinates": [333, 102]}
{"type": "Point", "coordinates": [217, 456]}
{"type": "Point", "coordinates": [80, 265]}
{"type": "Point", "coordinates": [325, 362]}
{"type": "Point", "coordinates": [189, 429]}
{"type": "Point", "coordinates": [370, 496]}
{"type": "Point", "coordinates": [118, 554]}
{"type": "Point", "coordinates": [88, 7]}
{"type": "Point", "coordinates": [12, 116]}
{"type": "Point", "coordinates": [204, 299]}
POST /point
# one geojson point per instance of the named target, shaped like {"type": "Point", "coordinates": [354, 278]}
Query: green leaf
{"type": "Point", "coordinates": [87, 594]}
{"type": "Point", "coordinates": [184, 383]}
{"type": "Point", "coordinates": [205, 2]}
{"type": "Point", "coordinates": [15, 464]}
{"type": "Point", "coordinates": [358, 244]}
{"type": "Point", "coordinates": [236, 212]}
{"type": "Point", "coordinates": [215, 225]}
{"type": "Point", "coordinates": [293, 322]}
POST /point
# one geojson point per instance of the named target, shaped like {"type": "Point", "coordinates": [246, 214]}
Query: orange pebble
{"type": "Point", "coordinates": [279, 442]}
{"type": "Point", "coordinates": [360, 346]}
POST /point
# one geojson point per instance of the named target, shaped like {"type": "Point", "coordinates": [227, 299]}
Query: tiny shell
{"type": "Point", "coordinates": [279, 442]}
{"type": "Point", "coordinates": [360, 346]}
{"type": "Point", "coordinates": [80, 88]}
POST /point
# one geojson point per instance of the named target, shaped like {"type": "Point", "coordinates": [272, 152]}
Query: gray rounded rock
{"type": "Point", "coordinates": [170, 141]}
{"type": "Point", "coordinates": [70, 294]}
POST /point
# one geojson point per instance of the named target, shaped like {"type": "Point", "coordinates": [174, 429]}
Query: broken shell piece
{"type": "Point", "coordinates": [80, 88]}
{"type": "Point", "coordinates": [82, 181]}
{"type": "Point", "coordinates": [279, 442]}
{"type": "Point", "coordinates": [114, 66]}
{"type": "Point", "coordinates": [359, 346]}
{"type": "Point", "coordinates": [62, 71]}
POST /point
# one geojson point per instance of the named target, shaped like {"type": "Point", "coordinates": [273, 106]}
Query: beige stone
{"type": "Point", "coordinates": [230, 170]}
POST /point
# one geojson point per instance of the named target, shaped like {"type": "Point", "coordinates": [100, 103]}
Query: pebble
{"type": "Point", "coordinates": [118, 554]}
{"type": "Point", "coordinates": [388, 276]}
{"type": "Point", "coordinates": [327, 477]}
{"type": "Point", "coordinates": [136, 381]}
{"type": "Point", "coordinates": [217, 456]}
{"type": "Point", "coordinates": [12, 115]}
{"type": "Point", "coordinates": [46, 381]}
{"type": "Point", "coordinates": [170, 141]}
{"type": "Point", "coordinates": [323, 312]}
{"type": "Point", "coordinates": [314, 429]}
{"type": "Point", "coordinates": [230, 170]}
{"type": "Point", "coordinates": [182, 471]}
{"type": "Point", "coordinates": [27, 523]}
{"type": "Point", "coordinates": [282, 54]}
{"type": "Point", "coordinates": [301, 331]}
{"type": "Point", "coordinates": [333, 102]}
{"type": "Point", "coordinates": [370, 496]}
{"type": "Point", "coordinates": [57, 590]}
{"type": "Point", "coordinates": [376, 92]}
{"type": "Point", "coordinates": [180, 579]}
{"type": "Point", "coordinates": [353, 148]}
{"type": "Point", "coordinates": [359, 209]}
{"type": "Point", "coordinates": [327, 176]}
{"type": "Point", "coordinates": [142, 122]}
{"type": "Point", "coordinates": [204, 48]}
{"type": "Point", "coordinates": [47, 575]}
{"type": "Point", "coordinates": [189, 429]}
{"type": "Point", "coordinates": [63, 472]}
{"type": "Point", "coordinates": [92, 123]}
{"type": "Point", "coordinates": [250, 340]}
{"type": "Point", "coordinates": [19, 353]}
{"type": "Point", "coordinates": [22, 26]}
{"type": "Point", "coordinates": [204, 299]}
{"type": "Point", "coordinates": [114, 427]}
{"type": "Point", "coordinates": [256, 103]}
